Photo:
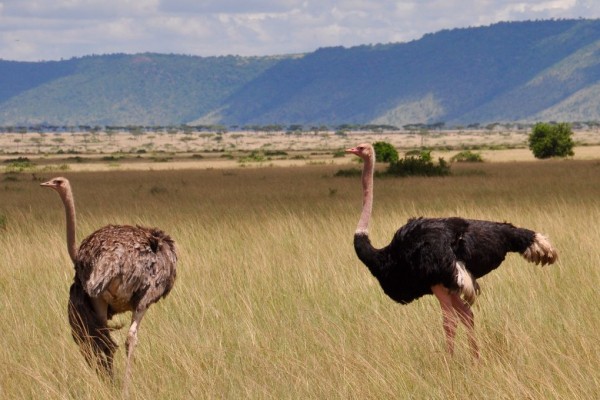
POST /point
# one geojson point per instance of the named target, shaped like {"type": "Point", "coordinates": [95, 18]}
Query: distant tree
{"type": "Point", "coordinates": [385, 152]}
{"type": "Point", "coordinates": [295, 128]}
{"type": "Point", "coordinates": [551, 140]}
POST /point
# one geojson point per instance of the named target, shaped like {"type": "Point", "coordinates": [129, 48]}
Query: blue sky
{"type": "Point", "coordinates": [33, 30]}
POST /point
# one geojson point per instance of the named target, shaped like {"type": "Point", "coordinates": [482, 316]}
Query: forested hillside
{"type": "Point", "coordinates": [142, 89]}
{"type": "Point", "coordinates": [513, 71]}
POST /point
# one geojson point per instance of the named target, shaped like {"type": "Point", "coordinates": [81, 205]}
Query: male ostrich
{"type": "Point", "coordinates": [118, 268]}
{"type": "Point", "coordinates": [442, 256]}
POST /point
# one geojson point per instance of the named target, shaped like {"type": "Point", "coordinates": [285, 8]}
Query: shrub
{"type": "Point", "coordinates": [551, 140]}
{"type": "Point", "coordinates": [385, 152]}
{"type": "Point", "coordinates": [421, 165]}
{"type": "Point", "coordinates": [20, 166]}
{"type": "Point", "coordinates": [272, 153]}
{"type": "Point", "coordinates": [3, 221]}
{"type": "Point", "coordinates": [350, 172]}
{"type": "Point", "coordinates": [418, 163]}
{"type": "Point", "coordinates": [424, 154]}
{"type": "Point", "coordinates": [112, 158]}
{"type": "Point", "coordinates": [467, 156]}
{"type": "Point", "coordinates": [17, 160]}
{"type": "Point", "coordinates": [254, 156]}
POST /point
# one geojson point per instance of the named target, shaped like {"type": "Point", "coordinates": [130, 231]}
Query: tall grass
{"type": "Point", "coordinates": [271, 301]}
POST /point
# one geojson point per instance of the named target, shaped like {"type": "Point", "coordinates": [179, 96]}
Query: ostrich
{"type": "Point", "coordinates": [118, 268]}
{"type": "Point", "coordinates": [441, 256]}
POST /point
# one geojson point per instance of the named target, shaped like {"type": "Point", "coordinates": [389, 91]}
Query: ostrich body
{"type": "Point", "coordinates": [118, 268]}
{"type": "Point", "coordinates": [441, 256]}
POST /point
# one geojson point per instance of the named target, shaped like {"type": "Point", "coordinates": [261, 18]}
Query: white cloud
{"type": "Point", "coordinates": [52, 29]}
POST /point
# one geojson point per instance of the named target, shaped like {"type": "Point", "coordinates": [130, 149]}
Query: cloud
{"type": "Point", "coordinates": [53, 29]}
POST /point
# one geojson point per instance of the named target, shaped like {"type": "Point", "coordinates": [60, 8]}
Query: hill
{"type": "Point", "coordinates": [142, 89]}
{"type": "Point", "coordinates": [511, 71]}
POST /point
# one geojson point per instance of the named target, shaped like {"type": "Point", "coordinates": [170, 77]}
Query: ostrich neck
{"type": "Point", "coordinates": [362, 245]}
{"type": "Point", "coordinates": [67, 198]}
{"type": "Point", "coordinates": [367, 184]}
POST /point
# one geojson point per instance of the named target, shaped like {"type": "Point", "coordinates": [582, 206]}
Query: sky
{"type": "Point", "coordinates": [35, 30]}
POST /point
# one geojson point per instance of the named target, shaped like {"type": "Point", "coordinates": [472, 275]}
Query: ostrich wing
{"type": "Point", "coordinates": [127, 261]}
{"type": "Point", "coordinates": [484, 245]}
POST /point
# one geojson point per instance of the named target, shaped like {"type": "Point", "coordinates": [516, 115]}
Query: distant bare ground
{"type": "Point", "coordinates": [175, 151]}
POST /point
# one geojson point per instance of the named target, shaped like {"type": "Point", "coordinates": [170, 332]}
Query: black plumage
{"type": "Point", "coordinates": [424, 253]}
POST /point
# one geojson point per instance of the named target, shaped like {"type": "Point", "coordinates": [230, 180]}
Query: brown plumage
{"type": "Point", "coordinates": [118, 268]}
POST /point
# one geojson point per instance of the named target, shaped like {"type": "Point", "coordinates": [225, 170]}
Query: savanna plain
{"type": "Point", "coordinates": [271, 302]}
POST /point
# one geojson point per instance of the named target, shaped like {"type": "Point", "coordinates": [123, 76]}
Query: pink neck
{"type": "Point", "coordinates": [367, 184]}
{"type": "Point", "coordinates": [67, 199]}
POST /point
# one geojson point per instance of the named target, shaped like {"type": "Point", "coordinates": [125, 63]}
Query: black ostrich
{"type": "Point", "coordinates": [441, 256]}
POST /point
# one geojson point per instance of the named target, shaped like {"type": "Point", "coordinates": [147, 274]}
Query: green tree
{"type": "Point", "coordinates": [551, 140]}
{"type": "Point", "coordinates": [385, 152]}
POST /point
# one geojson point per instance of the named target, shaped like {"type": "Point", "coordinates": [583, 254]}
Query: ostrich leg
{"type": "Point", "coordinates": [130, 344]}
{"type": "Point", "coordinates": [450, 320]}
{"type": "Point", "coordinates": [468, 319]}
{"type": "Point", "coordinates": [454, 309]}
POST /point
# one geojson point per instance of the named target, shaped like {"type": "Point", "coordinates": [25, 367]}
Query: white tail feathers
{"type": "Point", "coordinates": [540, 251]}
{"type": "Point", "coordinates": [469, 289]}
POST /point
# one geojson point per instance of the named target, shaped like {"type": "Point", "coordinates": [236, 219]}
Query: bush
{"type": "Point", "coordinates": [424, 154]}
{"type": "Point", "coordinates": [551, 140]}
{"type": "Point", "coordinates": [273, 153]}
{"type": "Point", "coordinates": [415, 163]}
{"type": "Point", "coordinates": [385, 152]}
{"type": "Point", "coordinates": [467, 156]}
{"type": "Point", "coordinates": [350, 172]}
{"type": "Point", "coordinates": [254, 156]}
{"type": "Point", "coordinates": [421, 165]}
{"type": "Point", "coordinates": [17, 160]}
{"type": "Point", "coordinates": [19, 166]}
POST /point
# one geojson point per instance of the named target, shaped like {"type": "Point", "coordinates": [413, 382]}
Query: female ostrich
{"type": "Point", "coordinates": [118, 268]}
{"type": "Point", "coordinates": [442, 256]}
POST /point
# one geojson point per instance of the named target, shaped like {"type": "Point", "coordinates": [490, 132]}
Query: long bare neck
{"type": "Point", "coordinates": [67, 199]}
{"type": "Point", "coordinates": [367, 184]}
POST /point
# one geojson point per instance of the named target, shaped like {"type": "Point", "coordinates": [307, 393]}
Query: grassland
{"type": "Point", "coordinates": [272, 303]}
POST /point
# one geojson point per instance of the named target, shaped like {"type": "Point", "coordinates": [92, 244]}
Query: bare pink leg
{"type": "Point", "coordinates": [450, 319]}
{"type": "Point", "coordinates": [466, 316]}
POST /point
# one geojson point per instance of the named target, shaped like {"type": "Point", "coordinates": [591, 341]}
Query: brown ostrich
{"type": "Point", "coordinates": [441, 256]}
{"type": "Point", "coordinates": [118, 268]}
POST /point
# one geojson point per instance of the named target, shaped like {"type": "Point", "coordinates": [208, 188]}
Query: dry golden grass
{"type": "Point", "coordinates": [271, 301]}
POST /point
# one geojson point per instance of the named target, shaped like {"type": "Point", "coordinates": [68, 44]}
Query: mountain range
{"type": "Point", "coordinates": [527, 71]}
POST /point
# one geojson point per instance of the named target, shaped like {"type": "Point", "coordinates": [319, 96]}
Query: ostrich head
{"type": "Point", "coordinates": [59, 184]}
{"type": "Point", "coordinates": [364, 151]}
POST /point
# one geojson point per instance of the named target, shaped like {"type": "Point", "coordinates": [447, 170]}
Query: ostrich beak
{"type": "Point", "coordinates": [49, 184]}
{"type": "Point", "coordinates": [353, 150]}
